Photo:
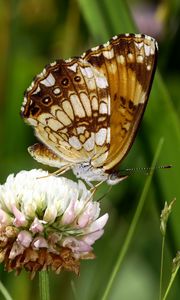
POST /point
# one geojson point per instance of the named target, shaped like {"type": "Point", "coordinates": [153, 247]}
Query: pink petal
{"type": "Point", "coordinates": [39, 242]}
{"type": "Point", "coordinates": [69, 214]}
{"type": "Point", "coordinates": [36, 226]}
{"type": "Point", "coordinates": [24, 238]}
{"type": "Point", "coordinates": [98, 224]}
{"type": "Point", "coordinates": [93, 210]}
{"type": "Point", "coordinates": [4, 218]}
{"type": "Point", "coordinates": [76, 245]}
{"type": "Point", "coordinates": [20, 219]}
{"type": "Point", "coordinates": [83, 220]}
{"type": "Point", "coordinates": [92, 237]}
{"type": "Point", "coordinates": [90, 213]}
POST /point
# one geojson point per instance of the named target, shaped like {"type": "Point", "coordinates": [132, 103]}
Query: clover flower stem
{"type": "Point", "coordinates": [44, 285]}
{"type": "Point", "coordinates": [4, 292]}
{"type": "Point", "coordinates": [133, 224]}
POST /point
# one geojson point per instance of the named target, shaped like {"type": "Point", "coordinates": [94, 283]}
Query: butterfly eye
{"type": "Point", "coordinates": [65, 82]}
{"type": "Point", "coordinates": [47, 101]}
{"type": "Point", "coordinates": [77, 78]}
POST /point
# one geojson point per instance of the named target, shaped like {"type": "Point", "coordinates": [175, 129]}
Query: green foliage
{"type": "Point", "coordinates": [34, 33]}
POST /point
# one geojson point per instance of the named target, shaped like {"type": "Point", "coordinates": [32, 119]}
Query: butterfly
{"type": "Point", "coordinates": [86, 110]}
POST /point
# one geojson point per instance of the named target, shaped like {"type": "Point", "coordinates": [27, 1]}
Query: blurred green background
{"type": "Point", "coordinates": [34, 33]}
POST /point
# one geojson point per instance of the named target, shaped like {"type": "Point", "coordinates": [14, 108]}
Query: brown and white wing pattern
{"type": "Point", "coordinates": [128, 62]}
{"type": "Point", "coordinates": [68, 105]}
{"type": "Point", "coordinates": [86, 110]}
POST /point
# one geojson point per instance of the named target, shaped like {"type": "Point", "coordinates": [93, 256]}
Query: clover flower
{"type": "Point", "coordinates": [47, 222]}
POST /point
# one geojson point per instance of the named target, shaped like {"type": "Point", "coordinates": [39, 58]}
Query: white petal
{"type": "Point", "coordinates": [98, 224]}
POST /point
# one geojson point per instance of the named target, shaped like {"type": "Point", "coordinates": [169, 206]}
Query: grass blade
{"type": "Point", "coordinates": [5, 292]}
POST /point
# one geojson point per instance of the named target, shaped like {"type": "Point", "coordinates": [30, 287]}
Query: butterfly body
{"type": "Point", "coordinates": [86, 110]}
{"type": "Point", "coordinates": [88, 173]}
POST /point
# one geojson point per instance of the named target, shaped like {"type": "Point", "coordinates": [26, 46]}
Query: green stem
{"type": "Point", "coordinates": [44, 285]}
{"type": "Point", "coordinates": [161, 268]}
{"type": "Point", "coordinates": [170, 283]}
{"type": "Point", "coordinates": [5, 292]}
{"type": "Point", "coordinates": [133, 224]}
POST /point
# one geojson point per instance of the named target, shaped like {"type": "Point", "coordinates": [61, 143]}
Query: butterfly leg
{"type": "Point", "coordinates": [94, 188]}
{"type": "Point", "coordinates": [61, 170]}
{"type": "Point", "coordinates": [57, 172]}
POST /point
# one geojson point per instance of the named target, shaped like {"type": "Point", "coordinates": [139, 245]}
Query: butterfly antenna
{"type": "Point", "coordinates": [146, 170]}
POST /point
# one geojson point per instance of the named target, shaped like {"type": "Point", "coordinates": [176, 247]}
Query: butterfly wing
{"type": "Point", "coordinates": [128, 62]}
{"type": "Point", "coordinates": [68, 105]}
{"type": "Point", "coordinates": [44, 155]}
{"type": "Point", "coordinates": [88, 109]}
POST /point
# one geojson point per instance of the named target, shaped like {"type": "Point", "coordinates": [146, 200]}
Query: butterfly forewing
{"type": "Point", "coordinates": [128, 62]}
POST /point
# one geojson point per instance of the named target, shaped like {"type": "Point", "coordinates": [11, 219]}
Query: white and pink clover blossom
{"type": "Point", "coordinates": [44, 215]}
